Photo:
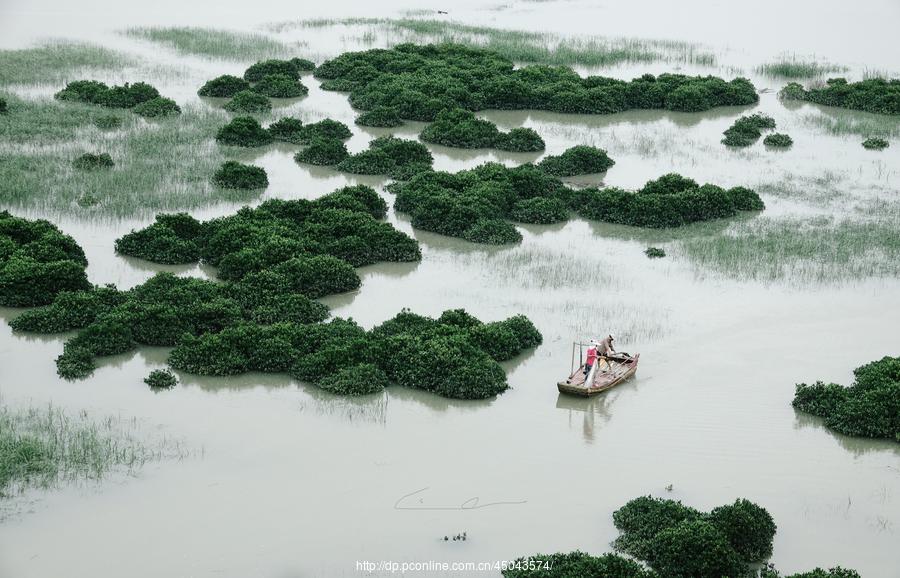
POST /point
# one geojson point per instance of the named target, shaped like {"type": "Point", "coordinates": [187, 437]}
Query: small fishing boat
{"type": "Point", "coordinates": [607, 373]}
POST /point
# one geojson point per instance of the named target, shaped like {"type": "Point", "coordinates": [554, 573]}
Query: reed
{"type": "Point", "coordinates": [214, 43]}
{"type": "Point", "coordinates": [56, 61]}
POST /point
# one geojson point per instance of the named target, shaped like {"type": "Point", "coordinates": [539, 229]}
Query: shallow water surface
{"type": "Point", "coordinates": [292, 481]}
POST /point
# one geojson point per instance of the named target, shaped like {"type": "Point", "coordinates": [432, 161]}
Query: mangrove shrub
{"type": "Point", "coordinates": [264, 68]}
{"type": "Point", "coordinates": [877, 95]}
{"type": "Point", "coordinates": [280, 86]}
{"type": "Point", "coordinates": [462, 129]}
{"type": "Point", "coordinates": [577, 160]}
{"type": "Point", "coordinates": [224, 86]}
{"type": "Point", "coordinates": [323, 152]}
{"type": "Point", "coordinates": [356, 380]}
{"type": "Point", "coordinates": [380, 116]}
{"type": "Point", "coordinates": [778, 139]}
{"type": "Point", "coordinates": [539, 210]}
{"type": "Point", "coordinates": [161, 379]}
{"type": "Point", "coordinates": [870, 407]}
{"type": "Point", "coordinates": [575, 564]}
{"type": "Point", "coordinates": [235, 175]}
{"type": "Point", "coordinates": [37, 262]}
{"type": "Point", "coordinates": [157, 107]}
{"type": "Point", "coordinates": [875, 143]}
{"type": "Point", "coordinates": [91, 161]}
{"type": "Point", "coordinates": [248, 101]}
{"type": "Point", "coordinates": [243, 131]}
{"type": "Point", "coordinates": [389, 155]}
{"type": "Point", "coordinates": [422, 81]}
{"type": "Point", "coordinates": [94, 92]}
{"type": "Point", "coordinates": [747, 129]}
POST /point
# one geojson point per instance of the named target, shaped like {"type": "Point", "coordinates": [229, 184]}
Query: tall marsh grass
{"type": "Point", "coordinates": [792, 66]}
{"type": "Point", "coordinates": [214, 43]}
{"type": "Point", "coordinates": [526, 46]}
{"type": "Point", "coordinates": [42, 447]}
{"type": "Point", "coordinates": [56, 61]}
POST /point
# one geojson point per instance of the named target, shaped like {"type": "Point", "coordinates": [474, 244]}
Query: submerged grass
{"type": "Point", "coordinates": [41, 447]}
{"type": "Point", "coordinates": [213, 43]}
{"type": "Point", "coordinates": [791, 66]}
{"type": "Point", "coordinates": [821, 250]}
{"type": "Point", "coordinates": [841, 123]}
{"type": "Point", "coordinates": [56, 61]}
{"type": "Point", "coordinates": [526, 46]}
{"type": "Point", "coordinates": [160, 165]}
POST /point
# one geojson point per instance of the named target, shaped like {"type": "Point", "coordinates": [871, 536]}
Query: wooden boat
{"type": "Point", "coordinates": [607, 373]}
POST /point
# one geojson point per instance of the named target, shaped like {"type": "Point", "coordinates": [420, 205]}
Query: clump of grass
{"type": "Point", "coordinates": [211, 42]}
{"type": "Point", "coordinates": [840, 123]}
{"type": "Point", "coordinates": [108, 122]}
{"type": "Point", "coordinates": [38, 123]}
{"type": "Point", "coordinates": [55, 61]}
{"type": "Point", "coordinates": [778, 139]}
{"type": "Point", "coordinates": [42, 447]}
{"type": "Point", "coordinates": [91, 161]}
{"type": "Point", "coordinates": [875, 143]}
{"type": "Point", "coordinates": [790, 66]}
{"type": "Point", "coordinates": [161, 379]}
{"type": "Point", "coordinates": [654, 252]}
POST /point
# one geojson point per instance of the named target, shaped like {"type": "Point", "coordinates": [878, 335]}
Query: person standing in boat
{"type": "Point", "coordinates": [597, 349]}
{"type": "Point", "coordinates": [605, 347]}
{"type": "Point", "coordinates": [591, 357]}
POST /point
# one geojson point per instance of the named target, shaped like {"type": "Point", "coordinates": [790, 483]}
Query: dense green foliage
{"type": "Point", "coordinates": [871, 95]}
{"type": "Point", "coordinates": [91, 161]}
{"type": "Point", "coordinates": [654, 252]}
{"type": "Point", "coordinates": [670, 201]}
{"type": "Point", "coordinates": [161, 379]}
{"type": "Point", "coordinates": [472, 204]}
{"type": "Point", "coordinates": [462, 129]}
{"type": "Point", "coordinates": [224, 86]}
{"type": "Point", "coordinates": [389, 155]}
{"type": "Point", "coordinates": [264, 68]}
{"type": "Point", "coordinates": [380, 116]}
{"type": "Point", "coordinates": [539, 210]}
{"type": "Point", "coordinates": [243, 131]}
{"type": "Point", "coordinates": [69, 310]}
{"type": "Point", "coordinates": [875, 143]}
{"type": "Point", "coordinates": [323, 152]}
{"type": "Point", "coordinates": [676, 540]}
{"type": "Point", "coordinates": [747, 129]}
{"type": "Point", "coordinates": [778, 139]}
{"type": "Point", "coordinates": [292, 130]}
{"type": "Point", "coordinates": [303, 64]}
{"type": "Point", "coordinates": [577, 160]}
{"type": "Point", "coordinates": [94, 92]}
{"type": "Point", "coordinates": [421, 81]}
{"type": "Point", "coordinates": [3, 106]}
{"type": "Point", "coordinates": [157, 107]}
{"type": "Point", "coordinates": [355, 380]}
{"type": "Point", "coordinates": [248, 101]}
{"type": "Point", "coordinates": [280, 86]}
{"type": "Point", "coordinates": [870, 407]}
{"type": "Point", "coordinates": [575, 565]}
{"type": "Point", "coordinates": [235, 175]}
{"type": "Point", "coordinates": [836, 572]}
{"type": "Point", "coordinates": [37, 262]}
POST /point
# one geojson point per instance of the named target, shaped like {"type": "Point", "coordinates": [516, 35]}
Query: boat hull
{"type": "Point", "coordinates": [618, 371]}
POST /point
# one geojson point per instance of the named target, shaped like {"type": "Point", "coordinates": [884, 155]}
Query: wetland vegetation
{"type": "Point", "coordinates": [876, 95]}
{"type": "Point", "coordinates": [462, 129]}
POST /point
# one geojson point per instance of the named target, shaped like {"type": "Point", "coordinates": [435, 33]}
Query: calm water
{"type": "Point", "coordinates": [295, 482]}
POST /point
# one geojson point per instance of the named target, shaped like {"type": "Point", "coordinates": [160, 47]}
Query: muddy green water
{"type": "Point", "coordinates": [292, 481]}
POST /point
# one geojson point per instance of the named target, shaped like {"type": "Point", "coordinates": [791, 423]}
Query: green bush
{"type": "Point", "coordinates": [460, 128]}
{"type": "Point", "coordinates": [288, 129]}
{"type": "Point", "coordinates": [778, 139]}
{"type": "Point", "coordinates": [492, 232]}
{"type": "Point", "coordinates": [654, 253]}
{"type": "Point", "coordinates": [264, 68]}
{"type": "Point", "coordinates": [577, 160]}
{"type": "Point", "coordinates": [3, 106]}
{"type": "Point", "coordinates": [641, 519]}
{"type": "Point", "coordinates": [876, 95]}
{"type": "Point", "coordinates": [541, 210]}
{"type": "Point", "coordinates": [422, 81]}
{"type": "Point", "coordinates": [323, 151]}
{"type": "Point", "coordinates": [386, 155]}
{"type": "Point", "coordinates": [520, 140]}
{"type": "Point", "coordinates": [380, 116]}
{"type": "Point", "coordinates": [749, 528]}
{"type": "Point", "coordinates": [37, 262]}
{"type": "Point", "coordinates": [161, 379]}
{"type": "Point", "coordinates": [224, 86]}
{"type": "Point", "coordinates": [870, 407]}
{"type": "Point", "coordinates": [243, 131]}
{"type": "Point", "coordinates": [302, 64]}
{"type": "Point", "coordinates": [248, 101]}
{"type": "Point", "coordinates": [171, 239]}
{"type": "Point", "coordinates": [157, 107]}
{"type": "Point", "coordinates": [68, 311]}
{"type": "Point", "coordinates": [108, 122]}
{"type": "Point", "coordinates": [359, 379]}
{"type": "Point", "coordinates": [747, 129]}
{"type": "Point", "coordinates": [93, 92]}
{"type": "Point", "coordinates": [697, 549]}
{"type": "Point", "coordinates": [280, 86]}
{"type": "Point", "coordinates": [91, 161]}
{"type": "Point", "coordinates": [575, 565]}
{"type": "Point", "coordinates": [671, 201]}
{"type": "Point", "coordinates": [327, 128]}
{"type": "Point", "coordinates": [875, 143]}
{"type": "Point", "coordinates": [234, 175]}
